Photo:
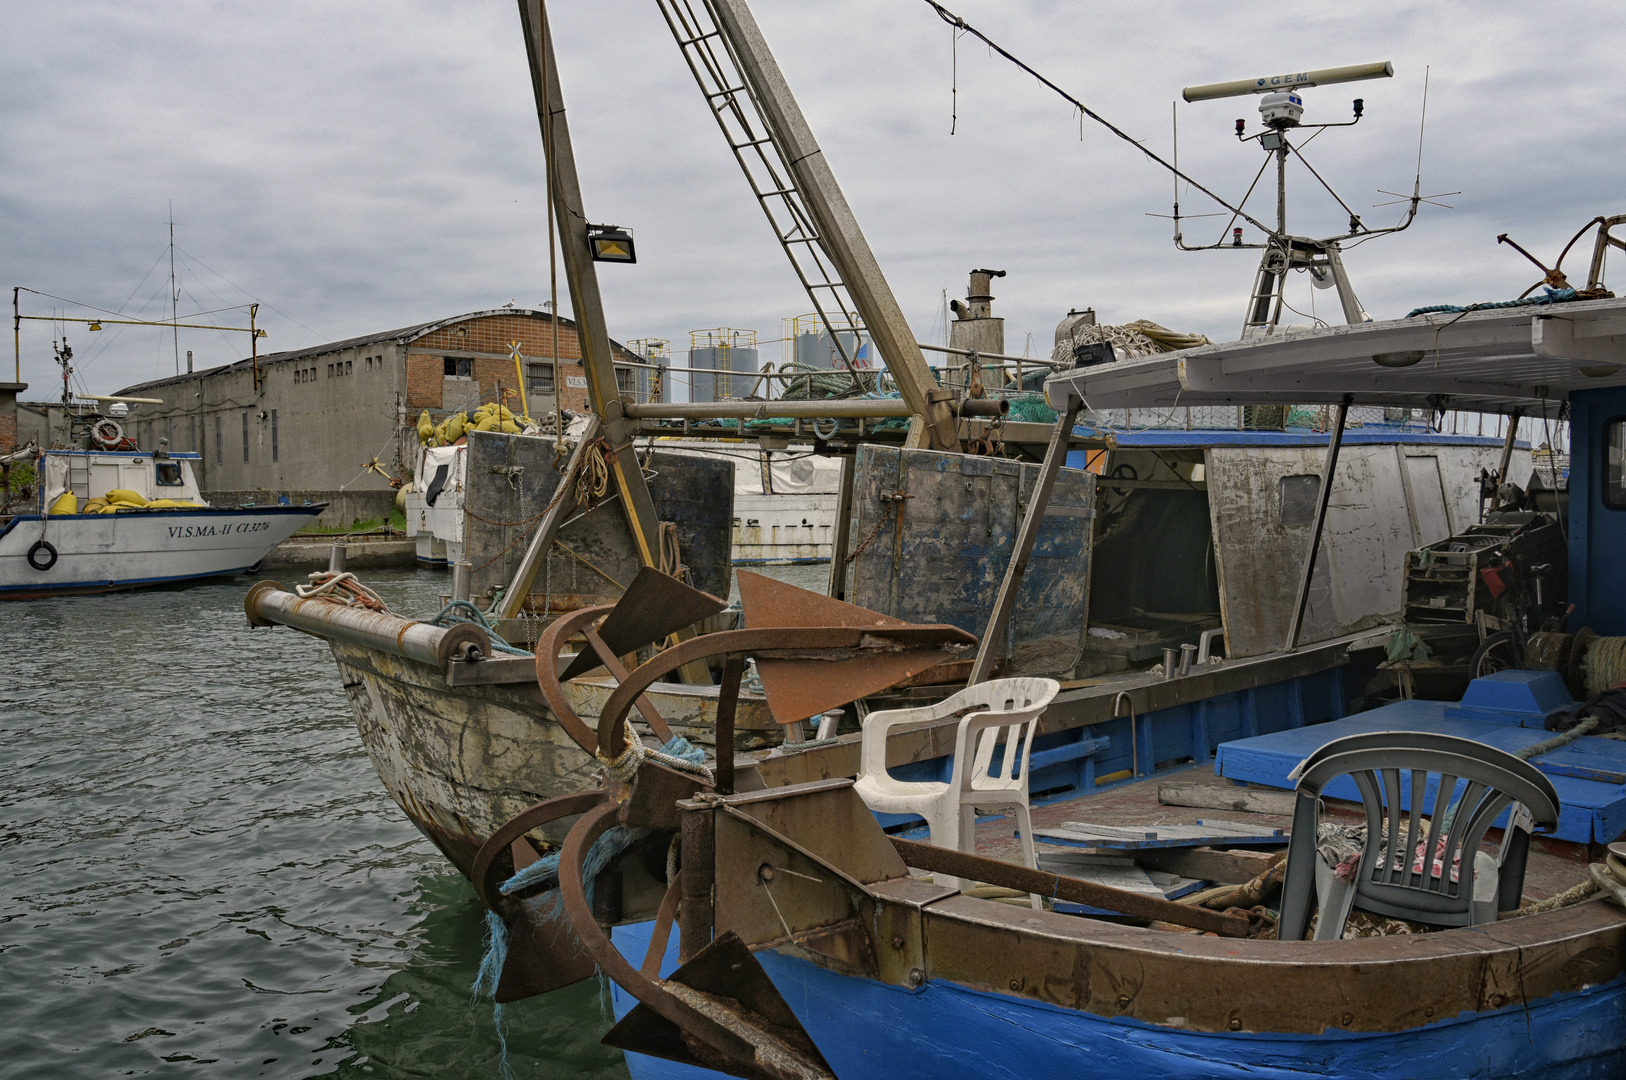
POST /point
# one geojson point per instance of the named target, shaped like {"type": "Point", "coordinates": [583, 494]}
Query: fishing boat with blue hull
{"type": "Point", "coordinates": [109, 520]}
{"type": "Point", "coordinates": [793, 936]}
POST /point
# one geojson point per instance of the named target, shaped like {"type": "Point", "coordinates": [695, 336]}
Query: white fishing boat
{"type": "Point", "coordinates": [784, 500]}
{"type": "Point", "coordinates": [106, 520]}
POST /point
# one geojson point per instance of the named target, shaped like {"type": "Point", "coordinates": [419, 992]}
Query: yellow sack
{"type": "Point", "coordinates": [113, 508]}
{"type": "Point", "coordinates": [455, 427]}
{"type": "Point", "coordinates": [488, 424]}
{"type": "Point", "coordinates": [67, 503]}
{"type": "Point", "coordinates": [94, 506]}
{"type": "Point", "coordinates": [126, 496]}
{"type": "Point", "coordinates": [510, 427]}
{"type": "Point", "coordinates": [170, 504]}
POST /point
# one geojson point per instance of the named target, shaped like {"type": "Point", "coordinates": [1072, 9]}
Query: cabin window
{"type": "Point", "coordinates": [460, 367]}
{"type": "Point", "coordinates": [1614, 464]}
{"type": "Point", "coordinates": [540, 377]}
{"type": "Point", "coordinates": [169, 474]}
{"type": "Point", "coordinates": [1298, 499]}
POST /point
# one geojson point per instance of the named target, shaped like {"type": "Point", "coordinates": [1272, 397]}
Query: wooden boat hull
{"type": "Point", "coordinates": [462, 760]}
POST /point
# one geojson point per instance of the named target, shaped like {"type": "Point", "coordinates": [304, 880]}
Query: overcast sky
{"type": "Point", "coordinates": [357, 166]}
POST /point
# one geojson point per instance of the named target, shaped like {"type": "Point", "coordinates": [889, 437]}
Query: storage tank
{"type": "Point", "coordinates": [731, 355]}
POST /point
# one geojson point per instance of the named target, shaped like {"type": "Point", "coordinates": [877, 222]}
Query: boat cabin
{"type": "Point", "coordinates": [91, 474]}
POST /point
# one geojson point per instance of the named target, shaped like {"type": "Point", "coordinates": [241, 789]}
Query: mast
{"type": "Point", "coordinates": [174, 292]}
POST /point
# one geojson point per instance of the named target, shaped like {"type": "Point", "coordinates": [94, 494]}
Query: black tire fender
{"type": "Point", "coordinates": [50, 555]}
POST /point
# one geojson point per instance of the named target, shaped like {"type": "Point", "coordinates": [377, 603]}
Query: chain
{"type": "Point", "coordinates": [896, 498]}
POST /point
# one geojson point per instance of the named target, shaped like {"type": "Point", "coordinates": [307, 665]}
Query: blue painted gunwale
{"type": "Point", "coordinates": [942, 1030]}
{"type": "Point", "coordinates": [1151, 437]}
{"type": "Point", "coordinates": [174, 511]}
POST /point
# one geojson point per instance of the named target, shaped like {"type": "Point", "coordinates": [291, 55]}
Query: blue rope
{"type": "Point", "coordinates": [1553, 296]}
{"type": "Point", "coordinates": [448, 617]}
{"type": "Point", "coordinates": [486, 978]}
{"type": "Point", "coordinates": [677, 746]}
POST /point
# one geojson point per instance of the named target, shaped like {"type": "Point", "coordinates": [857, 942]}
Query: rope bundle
{"type": "Point", "coordinates": [341, 588]}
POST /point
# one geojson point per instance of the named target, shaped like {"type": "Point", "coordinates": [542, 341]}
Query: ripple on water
{"type": "Point", "coordinates": [200, 874]}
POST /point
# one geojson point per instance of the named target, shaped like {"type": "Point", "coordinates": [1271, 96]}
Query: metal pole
{"type": "Point", "coordinates": [1507, 453]}
{"type": "Point", "coordinates": [993, 639]}
{"type": "Point", "coordinates": [592, 333]}
{"type": "Point", "coordinates": [842, 538]}
{"type": "Point", "coordinates": [16, 334]}
{"type": "Point", "coordinates": [254, 344]}
{"type": "Point", "coordinates": [839, 233]}
{"type": "Point", "coordinates": [519, 590]}
{"type": "Point", "coordinates": [1335, 442]}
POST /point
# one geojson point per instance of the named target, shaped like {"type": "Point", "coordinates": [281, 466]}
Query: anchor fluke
{"type": "Point", "coordinates": [726, 983]}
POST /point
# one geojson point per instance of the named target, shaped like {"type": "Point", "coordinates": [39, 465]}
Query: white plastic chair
{"type": "Point", "coordinates": [950, 809]}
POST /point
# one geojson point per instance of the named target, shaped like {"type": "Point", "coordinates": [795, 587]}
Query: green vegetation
{"type": "Point", "coordinates": [397, 522]}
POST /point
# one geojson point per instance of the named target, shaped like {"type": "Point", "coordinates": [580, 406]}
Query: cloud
{"type": "Point", "coordinates": [373, 164]}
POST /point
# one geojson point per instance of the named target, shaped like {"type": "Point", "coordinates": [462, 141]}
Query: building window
{"type": "Point", "coordinates": [273, 435]}
{"type": "Point", "coordinates": [540, 378]}
{"type": "Point", "coordinates": [1614, 464]}
{"type": "Point", "coordinates": [460, 367]}
{"type": "Point", "coordinates": [245, 438]}
{"type": "Point", "coordinates": [626, 379]}
{"type": "Point", "coordinates": [220, 442]}
{"type": "Point", "coordinates": [349, 366]}
{"type": "Point", "coordinates": [330, 371]}
{"type": "Point", "coordinates": [1298, 498]}
{"type": "Point", "coordinates": [369, 364]}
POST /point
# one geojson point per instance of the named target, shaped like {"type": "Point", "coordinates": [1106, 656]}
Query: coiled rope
{"type": "Point", "coordinates": [1605, 664]}
{"type": "Point", "coordinates": [449, 616]}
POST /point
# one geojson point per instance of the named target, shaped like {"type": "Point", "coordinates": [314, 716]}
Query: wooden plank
{"type": "Point", "coordinates": [1136, 837]}
{"type": "Point", "coordinates": [1211, 797]}
{"type": "Point", "coordinates": [1227, 867]}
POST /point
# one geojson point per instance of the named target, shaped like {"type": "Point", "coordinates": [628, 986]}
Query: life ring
{"type": "Point", "coordinates": [50, 555]}
{"type": "Point", "coordinates": [107, 433]}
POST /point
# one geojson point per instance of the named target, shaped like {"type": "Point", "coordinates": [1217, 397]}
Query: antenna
{"type": "Point", "coordinates": [1417, 181]}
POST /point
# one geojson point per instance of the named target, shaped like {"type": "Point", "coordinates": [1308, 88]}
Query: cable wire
{"type": "Point", "coordinates": [954, 20]}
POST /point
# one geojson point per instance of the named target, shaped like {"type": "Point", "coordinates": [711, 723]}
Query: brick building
{"type": "Point", "coordinates": [8, 415]}
{"type": "Point", "coordinates": [321, 414]}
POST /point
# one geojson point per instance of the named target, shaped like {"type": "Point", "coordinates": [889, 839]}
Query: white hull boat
{"type": "Point", "coordinates": [49, 554]}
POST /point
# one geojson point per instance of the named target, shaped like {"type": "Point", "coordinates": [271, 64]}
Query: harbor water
{"type": "Point", "coordinates": [202, 876]}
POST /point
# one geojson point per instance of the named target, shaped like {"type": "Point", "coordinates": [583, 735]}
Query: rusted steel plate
{"type": "Point", "coordinates": [512, 478]}
{"type": "Point", "coordinates": [830, 822]}
{"type": "Point", "coordinates": [654, 606]}
{"type": "Point", "coordinates": [797, 689]}
{"type": "Point", "coordinates": [1201, 983]}
{"type": "Point", "coordinates": [543, 955]}
{"type": "Point", "coordinates": [767, 602]}
{"type": "Point", "coordinates": [803, 640]}
{"type": "Point", "coordinates": [932, 534]}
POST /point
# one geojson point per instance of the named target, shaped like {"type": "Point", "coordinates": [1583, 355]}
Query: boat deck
{"type": "Point", "coordinates": [1507, 711]}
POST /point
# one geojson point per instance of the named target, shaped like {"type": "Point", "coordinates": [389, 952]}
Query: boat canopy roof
{"type": "Point", "coordinates": [1492, 360]}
